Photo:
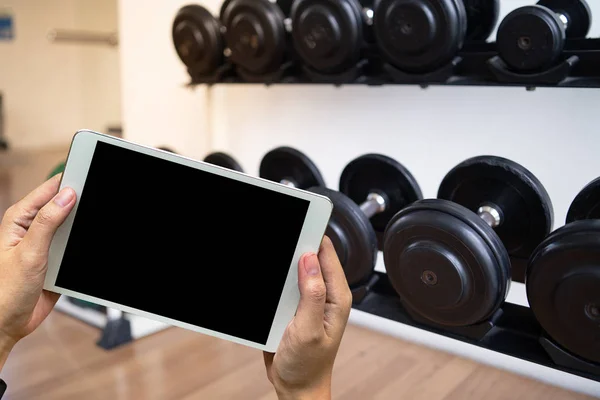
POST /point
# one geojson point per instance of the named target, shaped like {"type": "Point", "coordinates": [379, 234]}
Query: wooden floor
{"type": "Point", "coordinates": [62, 361]}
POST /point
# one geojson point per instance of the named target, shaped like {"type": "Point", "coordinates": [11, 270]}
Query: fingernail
{"type": "Point", "coordinates": [311, 265]}
{"type": "Point", "coordinates": [64, 197]}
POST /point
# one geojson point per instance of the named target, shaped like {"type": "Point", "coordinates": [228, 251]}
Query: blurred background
{"type": "Point", "coordinates": [51, 86]}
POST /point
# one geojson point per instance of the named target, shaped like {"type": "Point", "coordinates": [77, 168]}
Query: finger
{"type": "Point", "coordinates": [333, 274]}
{"type": "Point", "coordinates": [47, 302]}
{"type": "Point", "coordinates": [20, 216]}
{"type": "Point", "coordinates": [311, 309]}
{"type": "Point", "coordinates": [269, 357]}
{"type": "Point", "coordinates": [38, 238]}
{"type": "Point", "coordinates": [339, 296]}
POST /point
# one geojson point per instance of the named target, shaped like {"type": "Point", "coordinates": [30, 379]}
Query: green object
{"type": "Point", "coordinates": [60, 168]}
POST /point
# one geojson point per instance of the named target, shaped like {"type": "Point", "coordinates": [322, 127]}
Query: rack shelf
{"type": "Point", "coordinates": [477, 64]}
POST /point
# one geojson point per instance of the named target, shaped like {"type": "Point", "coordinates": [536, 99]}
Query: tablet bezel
{"type": "Point", "coordinates": [74, 176]}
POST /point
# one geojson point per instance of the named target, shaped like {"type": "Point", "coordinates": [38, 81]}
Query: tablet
{"type": "Point", "coordinates": [183, 242]}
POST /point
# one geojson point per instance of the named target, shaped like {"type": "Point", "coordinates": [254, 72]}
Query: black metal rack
{"type": "Point", "coordinates": [513, 330]}
{"type": "Point", "coordinates": [477, 64]}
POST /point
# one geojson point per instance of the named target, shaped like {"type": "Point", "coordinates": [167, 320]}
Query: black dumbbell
{"type": "Point", "coordinates": [449, 258]}
{"type": "Point", "coordinates": [373, 188]}
{"type": "Point", "coordinates": [329, 35]}
{"type": "Point", "coordinates": [217, 158]}
{"type": "Point", "coordinates": [290, 167]}
{"type": "Point", "coordinates": [255, 34]}
{"type": "Point", "coordinates": [420, 36]}
{"type": "Point", "coordinates": [532, 38]}
{"type": "Point", "coordinates": [563, 278]}
{"type": "Point", "coordinates": [223, 160]}
{"type": "Point", "coordinates": [508, 197]}
{"type": "Point", "coordinates": [167, 149]}
{"type": "Point", "coordinates": [198, 40]}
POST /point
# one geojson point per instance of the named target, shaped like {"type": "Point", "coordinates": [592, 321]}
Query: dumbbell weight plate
{"type": "Point", "coordinates": [586, 204]}
{"type": "Point", "coordinates": [223, 160]}
{"type": "Point", "coordinates": [482, 17]}
{"type": "Point", "coordinates": [376, 173]}
{"type": "Point", "coordinates": [563, 287]}
{"type": "Point", "coordinates": [446, 263]}
{"type": "Point", "coordinates": [352, 236]}
{"type": "Point", "coordinates": [197, 39]}
{"type": "Point", "coordinates": [578, 12]}
{"type": "Point", "coordinates": [525, 204]}
{"type": "Point", "coordinates": [420, 35]}
{"type": "Point", "coordinates": [530, 38]}
{"type": "Point", "coordinates": [255, 34]}
{"type": "Point", "coordinates": [167, 149]}
{"type": "Point", "coordinates": [286, 163]}
{"type": "Point", "coordinates": [327, 33]}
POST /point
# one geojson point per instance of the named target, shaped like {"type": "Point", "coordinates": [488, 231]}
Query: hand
{"type": "Point", "coordinates": [303, 364]}
{"type": "Point", "coordinates": [26, 233]}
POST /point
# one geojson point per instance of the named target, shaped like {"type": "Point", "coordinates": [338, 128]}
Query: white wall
{"type": "Point", "coordinates": [550, 131]}
{"type": "Point", "coordinates": [52, 90]}
{"type": "Point", "coordinates": [101, 72]}
{"type": "Point", "coordinates": [157, 107]}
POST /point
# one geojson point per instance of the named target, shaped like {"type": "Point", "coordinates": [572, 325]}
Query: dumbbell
{"type": "Point", "coordinates": [255, 35]}
{"type": "Point", "coordinates": [449, 258]}
{"type": "Point", "coordinates": [223, 160]}
{"type": "Point", "coordinates": [372, 188]}
{"type": "Point", "coordinates": [420, 36]}
{"type": "Point", "coordinates": [290, 167]}
{"type": "Point", "coordinates": [167, 149]}
{"type": "Point", "coordinates": [563, 278]}
{"type": "Point", "coordinates": [198, 40]}
{"type": "Point", "coordinates": [328, 35]}
{"type": "Point", "coordinates": [532, 38]}
{"type": "Point", "coordinates": [216, 158]}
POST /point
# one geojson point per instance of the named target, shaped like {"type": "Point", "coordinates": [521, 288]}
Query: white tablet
{"type": "Point", "coordinates": [183, 242]}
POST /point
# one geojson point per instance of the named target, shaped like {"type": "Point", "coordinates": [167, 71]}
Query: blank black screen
{"type": "Point", "coordinates": [181, 243]}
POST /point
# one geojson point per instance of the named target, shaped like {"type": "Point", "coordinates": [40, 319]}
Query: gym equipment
{"type": "Point", "coordinates": [167, 148]}
{"type": "Point", "coordinates": [532, 38]}
{"type": "Point", "coordinates": [421, 36]}
{"type": "Point", "coordinates": [382, 187]}
{"type": "Point", "coordinates": [198, 40]}
{"type": "Point", "coordinates": [223, 160]}
{"type": "Point", "coordinates": [290, 167]}
{"type": "Point", "coordinates": [447, 264]}
{"type": "Point", "coordinates": [509, 198]}
{"type": "Point", "coordinates": [217, 158]}
{"type": "Point", "coordinates": [447, 258]}
{"type": "Point", "coordinates": [563, 284]}
{"type": "Point", "coordinates": [255, 35]}
{"type": "Point", "coordinates": [482, 17]}
{"type": "Point", "coordinates": [328, 35]}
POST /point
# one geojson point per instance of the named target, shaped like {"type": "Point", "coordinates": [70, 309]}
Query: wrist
{"type": "Point", "coordinates": [319, 392]}
{"type": "Point", "coordinates": [6, 345]}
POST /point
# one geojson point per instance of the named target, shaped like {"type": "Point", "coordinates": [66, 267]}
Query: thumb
{"type": "Point", "coordinates": [311, 309]}
{"type": "Point", "coordinates": [39, 235]}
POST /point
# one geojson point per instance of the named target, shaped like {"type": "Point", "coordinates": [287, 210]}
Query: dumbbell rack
{"type": "Point", "coordinates": [514, 332]}
{"type": "Point", "coordinates": [116, 328]}
{"type": "Point", "coordinates": [477, 64]}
